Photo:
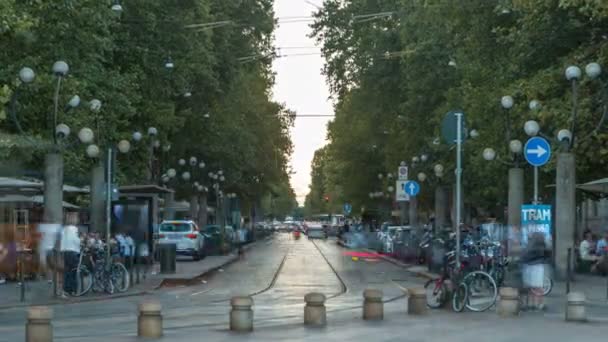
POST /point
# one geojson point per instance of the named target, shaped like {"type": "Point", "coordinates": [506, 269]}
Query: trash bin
{"type": "Point", "coordinates": [167, 254]}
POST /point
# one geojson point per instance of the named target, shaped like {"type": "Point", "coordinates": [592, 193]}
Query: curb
{"type": "Point", "coordinates": [84, 300]}
{"type": "Point", "coordinates": [194, 280]}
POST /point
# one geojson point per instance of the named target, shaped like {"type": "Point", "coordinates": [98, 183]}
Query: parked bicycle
{"type": "Point", "coordinates": [92, 273]}
{"type": "Point", "coordinates": [471, 287]}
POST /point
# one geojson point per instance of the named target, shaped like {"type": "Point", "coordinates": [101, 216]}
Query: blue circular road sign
{"type": "Point", "coordinates": [537, 151]}
{"type": "Point", "coordinates": [412, 188]}
{"type": "Point", "coordinates": [347, 208]}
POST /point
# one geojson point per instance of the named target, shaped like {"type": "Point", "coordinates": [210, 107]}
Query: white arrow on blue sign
{"type": "Point", "coordinates": [412, 188]}
{"type": "Point", "coordinates": [537, 151]}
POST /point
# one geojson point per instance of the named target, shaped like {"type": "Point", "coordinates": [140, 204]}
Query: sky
{"type": "Point", "coordinates": [301, 86]}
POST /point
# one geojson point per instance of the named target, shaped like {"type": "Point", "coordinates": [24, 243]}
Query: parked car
{"type": "Point", "coordinates": [185, 235]}
{"type": "Point", "coordinates": [316, 231]}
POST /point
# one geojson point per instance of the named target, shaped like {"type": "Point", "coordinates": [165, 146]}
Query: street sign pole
{"type": "Point", "coordinates": [536, 185]}
{"type": "Point", "coordinates": [458, 182]}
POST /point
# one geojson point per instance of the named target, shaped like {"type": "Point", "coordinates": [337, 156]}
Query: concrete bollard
{"type": "Point", "coordinates": [150, 320]}
{"type": "Point", "coordinates": [314, 310]}
{"type": "Point", "coordinates": [416, 303]}
{"type": "Point", "coordinates": [373, 307]}
{"type": "Point", "coordinates": [508, 304]}
{"type": "Point", "coordinates": [575, 307]}
{"type": "Point", "coordinates": [38, 327]}
{"type": "Point", "coordinates": [241, 315]}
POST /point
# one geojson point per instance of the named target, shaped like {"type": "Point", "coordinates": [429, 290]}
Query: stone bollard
{"type": "Point", "coordinates": [314, 310]}
{"type": "Point", "coordinates": [416, 304]}
{"type": "Point", "coordinates": [508, 304]}
{"type": "Point", "coordinates": [241, 315]}
{"type": "Point", "coordinates": [38, 327]}
{"type": "Point", "coordinates": [373, 307]}
{"type": "Point", "coordinates": [150, 320]}
{"type": "Point", "coordinates": [575, 307]}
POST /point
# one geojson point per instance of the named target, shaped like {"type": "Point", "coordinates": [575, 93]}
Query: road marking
{"type": "Point", "coordinates": [201, 292]}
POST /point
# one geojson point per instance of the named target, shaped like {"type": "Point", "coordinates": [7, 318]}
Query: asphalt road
{"type": "Point", "coordinates": [277, 273]}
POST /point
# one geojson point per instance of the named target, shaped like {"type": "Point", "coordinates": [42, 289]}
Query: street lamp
{"type": "Point", "coordinates": [124, 146]}
{"type": "Point", "coordinates": [92, 151]}
{"type": "Point", "coordinates": [169, 65]}
{"type": "Point", "coordinates": [515, 146]}
{"type": "Point", "coordinates": [86, 135]}
{"type": "Point", "coordinates": [137, 136]}
{"type": "Point", "coordinates": [27, 75]}
{"type": "Point", "coordinates": [116, 6]}
{"type": "Point", "coordinates": [489, 154]}
{"type": "Point", "coordinates": [171, 173]}
{"type": "Point", "coordinates": [421, 176]}
{"type": "Point", "coordinates": [531, 128]}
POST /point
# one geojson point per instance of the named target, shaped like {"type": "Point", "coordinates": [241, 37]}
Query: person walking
{"type": "Point", "coordinates": [534, 261]}
{"type": "Point", "coordinates": [8, 256]}
{"type": "Point", "coordinates": [70, 248]}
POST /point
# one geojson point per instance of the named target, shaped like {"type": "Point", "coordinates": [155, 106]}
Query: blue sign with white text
{"type": "Point", "coordinates": [537, 151]}
{"type": "Point", "coordinates": [536, 218]}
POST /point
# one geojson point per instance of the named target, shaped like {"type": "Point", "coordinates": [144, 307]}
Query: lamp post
{"type": "Point", "coordinates": [441, 198]}
{"type": "Point", "coordinates": [515, 197]}
{"type": "Point", "coordinates": [565, 178]}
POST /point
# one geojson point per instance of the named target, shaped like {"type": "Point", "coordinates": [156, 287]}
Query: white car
{"type": "Point", "coordinates": [185, 235]}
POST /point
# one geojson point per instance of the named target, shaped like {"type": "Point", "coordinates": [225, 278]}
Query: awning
{"type": "Point", "coordinates": [599, 186]}
{"type": "Point", "coordinates": [144, 189]}
{"type": "Point", "coordinates": [15, 185]}
{"type": "Point", "coordinates": [17, 198]}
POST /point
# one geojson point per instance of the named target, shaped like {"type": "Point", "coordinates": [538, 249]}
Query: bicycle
{"type": "Point", "coordinates": [84, 277]}
{"type": "Point", "coordinates": [107, 279]}
{"type": "Point", "coordinates": [469, 287]}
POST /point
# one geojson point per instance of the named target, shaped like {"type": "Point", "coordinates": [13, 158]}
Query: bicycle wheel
{"type": "Point", "coordinates": [98, 280]}
{"type": "Point", "coordinates": [84, 281]}
{"type": "Point", "coordinates": [482, 291]}
{"type": "Point", "coordinates": [435, 293]}
{"type": "Point", "coordinates": [119, 277]}
{"type": "Point", "coordinates": [460, 297]}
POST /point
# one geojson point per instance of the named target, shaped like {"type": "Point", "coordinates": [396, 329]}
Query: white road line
{"type": "Point", "coordinates": [201, 292]}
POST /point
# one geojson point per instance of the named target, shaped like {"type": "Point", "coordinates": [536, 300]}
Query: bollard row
{"type": "Point", "coordinates": [150, 320]}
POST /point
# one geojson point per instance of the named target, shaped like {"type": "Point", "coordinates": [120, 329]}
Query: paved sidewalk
{"type": "Point", "coordinates": [41, 292]}
{"type": "Point", "coordinates": [594, 287]}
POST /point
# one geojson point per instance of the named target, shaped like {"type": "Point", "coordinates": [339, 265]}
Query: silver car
{"type": "Point", "coordinates": [185, 235]}
{"type": "Point", "coordinates": [316, 231]}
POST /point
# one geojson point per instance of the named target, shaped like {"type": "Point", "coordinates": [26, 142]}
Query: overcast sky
{"type": "Point", "coordinates": [301, 86]}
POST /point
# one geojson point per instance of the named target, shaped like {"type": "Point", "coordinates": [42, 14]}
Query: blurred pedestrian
{"type": "Point", "coordinates": [534, 262]}
{"type": "Point", "coordinates": [143, 254]}
{"type": "Point", "coordinates": [8, 256]}
{"type": "Point", "coordinates": [70, 248]}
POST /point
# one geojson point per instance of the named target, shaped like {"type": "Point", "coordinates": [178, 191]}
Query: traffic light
{"type": "Point", "coordinates": [326, 198]}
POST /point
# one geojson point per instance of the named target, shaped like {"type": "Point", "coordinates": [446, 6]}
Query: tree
{"type": "Point", "coordinates": [395, 76]}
